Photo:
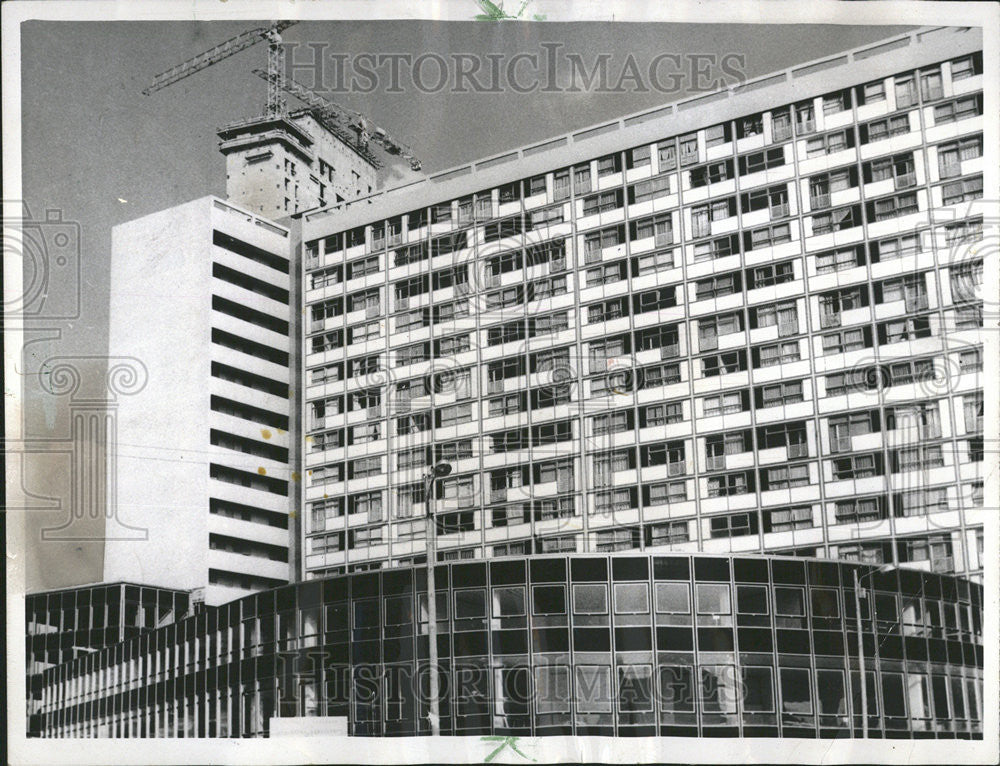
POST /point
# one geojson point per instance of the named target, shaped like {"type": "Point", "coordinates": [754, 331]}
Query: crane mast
{"type": "Point", "coordinates": [340, 120]}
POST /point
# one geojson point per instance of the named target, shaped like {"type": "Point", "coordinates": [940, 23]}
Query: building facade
{"type": "Point", "coordinates": [281, 165]}
{"type": "Point", "coordinates": [621, 645]}
{"type": "Point", "coordinates": [745, 322]}
{"type": "Point", "coordinates": [63, 625]}
{"type": "Point", "coordinates": [203, 462]}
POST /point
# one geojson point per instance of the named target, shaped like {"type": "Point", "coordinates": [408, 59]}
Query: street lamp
{"type": "Point", "coordinates": [861, 645]}
{"type": "Point", "coordinates": [435, 472]}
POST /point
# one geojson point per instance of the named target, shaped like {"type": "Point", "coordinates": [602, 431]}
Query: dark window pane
{"type": "Point", "coordinates": [796, 695]}
{"type": "Point", "coordinates": [549, 599]}
{"type": "Point", "coordinates": [758, 690]}
{"type": "Point", "coordinates": [751, 599]}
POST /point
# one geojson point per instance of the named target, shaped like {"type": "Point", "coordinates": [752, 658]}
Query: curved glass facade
{"type": "Point", "coordinates": [621, 645]}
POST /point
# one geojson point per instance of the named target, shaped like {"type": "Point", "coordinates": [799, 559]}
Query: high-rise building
{"type": "Point", "coordinates": [748, 321]}
{"type": "Point", "coordinates": [200, 295]}
{"type": "Point", "coordinates": [281, 165]}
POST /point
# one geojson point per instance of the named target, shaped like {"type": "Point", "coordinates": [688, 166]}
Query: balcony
{"type": "Point", "coordinates": [818, 201]}
{"type": "Point", "coordinates": [829, 320]}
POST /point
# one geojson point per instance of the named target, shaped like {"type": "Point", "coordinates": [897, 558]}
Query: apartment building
{"type": "Point", "coordinates": [200, 297]}
{"type": "Point", "coordinates": [744, 322]}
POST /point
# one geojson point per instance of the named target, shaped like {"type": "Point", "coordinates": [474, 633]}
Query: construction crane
{"type": "Point", "coordinates": [338, 118]}
{"type": "Point", "coordinates": [242, 41]}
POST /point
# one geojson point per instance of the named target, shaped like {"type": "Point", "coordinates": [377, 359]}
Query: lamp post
{"type": "Point", "coordinates": [861, 645]}
{"type": "Point", "coordinates": [435, 472]}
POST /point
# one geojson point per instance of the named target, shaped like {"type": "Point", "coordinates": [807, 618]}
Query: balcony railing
{"type": "Point", "coordinates": [829, 320]}
{"type": "Point", "coordinates": [818, 201]}
{"type": "Point", "coordinates": [780, 210]}
{"type": "Point", "coordinates": [906, 180]}
{"type": "Point", "coordinates": [715, 462]}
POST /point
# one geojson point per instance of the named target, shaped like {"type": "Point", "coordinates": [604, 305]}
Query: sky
{"type": "Point", "coordinates": [98, 150]}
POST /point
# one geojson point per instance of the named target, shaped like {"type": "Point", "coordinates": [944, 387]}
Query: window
{"type": "Point", "coordinates": [548, 599]}
{"type": "Point", "coordinates": [363, 467]}
{"type": "Point", "coordinates": [724, 404]}
{"type": "Point", "coordinates": [776, 353]}
{"type": "Point", "coordinates": [639, 157]}
{"type": "Point", "coordinates": [930, 84]}
{"type": "Point", "coordinates": [593, 689]}
{"type": "Point", "coordinates": [781, 125]}
{"type": "Point", "coordinates": [967, 66]}
{"type": "Point", "coordinates": [836, 220]}
{"type": "Point", "coordinates": [659, 227]}
{"type": "Point", "coordinates": [689, 149]}
{"type": "Point", "coordinates": [631, 598]}
{"type": "Point", "coordinates": [959, 109]}
{"type": "Point", "coordinates": [837, 260]}
{"type": "Point", "coordinates": [717, 248]}
{"type": "Point", "coordinates": [667, 154]}
{"type": "Point", "coordinates": [857, 467]}
{"type": "Point", "coordinates": [770, 275]}
{"type": "Point", "coordinates": [361, 333]}
{"type": "Point", "coordinates": [750, 126]}
{"type": "Point", "coordinates": [716, 287]}
{"type": "Point", "coordinates": [552, 689]}
{"type": "Point", "coordinates": [366, 502]}
{"type": "Point", "coordinates": [652, 262]}
{"type": "Point", "coordinates": [596, 241]}
{"type": "Point", "coordinates": [730, 484]}
{"type": "Point", "coordinates": [717, 134]}
{"type": "Point", "coordinates": [892, 207]}
{"type": "Point", "coordinates": [668, 492]}
{"type": "Point", "coordinates": [859, 509]}
{"type": "Point", "coordinates": [966, 190]}
{"type": "Point", "coordinates": [620, 539]}
{"type": "Point", "coordinates": [778, 394]}
{"type": "Point", "coordinates": [560, 185]}
{"type": "Point", "coordinates": [784, 477]}
{"type": "Point", "coordinates": [844, 427]}
{"type": "Point", "coordinates": [950, 155]}
{"type": "Point", "coordinates": [916, 458]}
{"type": "Point", "coordinates": [784, 519]}
{"type": "Point", "coordinates": [724, 364]}
{"type": "Point", "coordinates": [871, 92]}
{"type": "Point", "coordinates": [661, 414]}
{"type": "Point", "coordinates": [896, 247]}
{"type": "Point", "coordinates": [648, 190]}
{"type": "Point", "coordinates": [667, 533]}
{"type": "Point", "coordinates": [603, 202]}
{"type": "Point", "coordinates": [905, 90]}
{"type": "Point", "coordinates": [612, 422]}
{"type": "Point", "coordinates": [581, 179]}
{"type": "Point", "coordinates": [878, 130]}
{"type": "Point", "coordinates": [920, 502]}
{"type": "Point", "coordinates": [718, 689]}
{"type": "Point", "coordinates": [836, 102]}
{"type": "Point", "coordinates": [804, 118]}
{"type": "Point", "coordinates": [713, 173]}
{"type": "Point", "coordinates": [736, 525]}
{"type": "Point", "coordinates": [830, 143]}
{"type": "Point", "coordinates": [763, 160]}
{"type": "Point", "coordinates": [608, 165]}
